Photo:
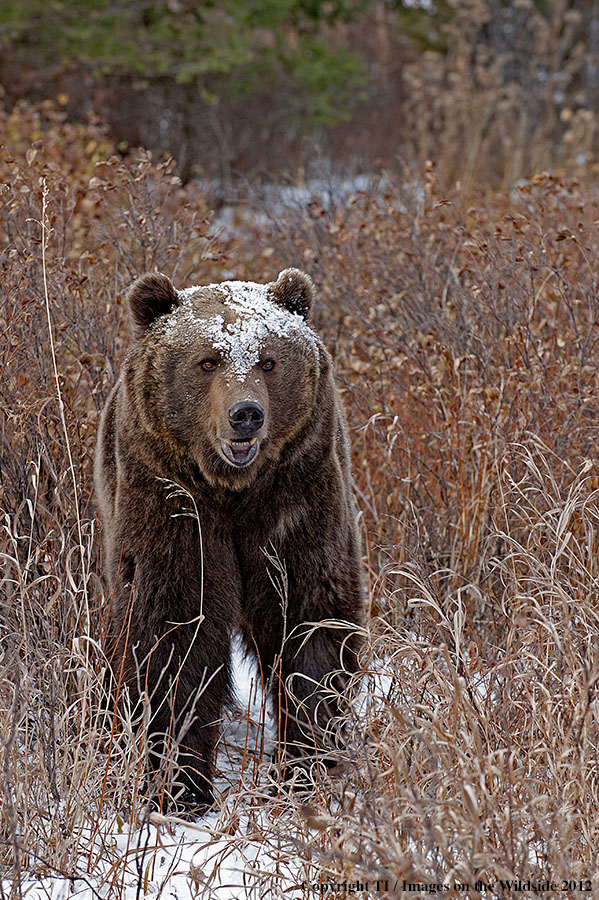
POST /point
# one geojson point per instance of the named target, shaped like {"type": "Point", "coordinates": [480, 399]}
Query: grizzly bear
{"type": "Point", "coordinates": [222, 446]}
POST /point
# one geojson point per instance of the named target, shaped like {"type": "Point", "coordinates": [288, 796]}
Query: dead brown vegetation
{"type": "Point", "coordinates": [466, 337]}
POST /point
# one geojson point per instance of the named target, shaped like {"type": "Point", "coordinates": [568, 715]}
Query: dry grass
{"type": "Point", "coordinates": [466, 341]}
{"type": "Point", "coordinates": [508, 89]}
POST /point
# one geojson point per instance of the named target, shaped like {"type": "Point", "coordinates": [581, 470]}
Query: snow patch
{"type": "Point", "coordinates": [257, 318]}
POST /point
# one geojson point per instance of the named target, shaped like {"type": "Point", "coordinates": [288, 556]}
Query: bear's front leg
{"type": "Point", "coordinates": [170, 637]}
{"type": "Point", "coordinates": [307, 663]}
{"type": "Point", "coordinates": [308, 688]}
{"type": "Point", "coordinates": [189, 672]}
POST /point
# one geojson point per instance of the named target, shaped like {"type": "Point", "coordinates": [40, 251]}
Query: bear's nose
{"type": "Point", "coordinates": [246, 417]}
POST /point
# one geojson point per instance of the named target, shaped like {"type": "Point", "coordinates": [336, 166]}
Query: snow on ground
{"type": "Point", "coordinates": [245, 849]}
{"type": "Point", "coordinates": [231, 853]}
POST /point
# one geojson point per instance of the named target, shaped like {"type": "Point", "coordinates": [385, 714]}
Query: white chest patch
{"type": "Point", "coordinates": [257, 317]}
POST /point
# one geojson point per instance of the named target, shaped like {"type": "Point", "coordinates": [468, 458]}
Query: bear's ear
{"type": "Point", "coordinates": [150, 296]}
{"type": "Point", "coordinates": [294, 290]}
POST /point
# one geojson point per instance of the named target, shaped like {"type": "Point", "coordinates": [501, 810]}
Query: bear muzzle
{"type": "Point", "coordinates": [246, 418]}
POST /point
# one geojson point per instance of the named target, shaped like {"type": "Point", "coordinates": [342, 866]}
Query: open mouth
{"type": "Point", "coordinates": [240, 452]}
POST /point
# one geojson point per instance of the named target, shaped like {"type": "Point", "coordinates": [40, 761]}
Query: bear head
{"type": "Point", "coordinates": [226, 372]}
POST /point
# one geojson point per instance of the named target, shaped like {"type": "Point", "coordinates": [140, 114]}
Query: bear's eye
{"type": "Point", "coordinates": [209, 365]}
{"type": "Point", "coordinates": [268, 365]}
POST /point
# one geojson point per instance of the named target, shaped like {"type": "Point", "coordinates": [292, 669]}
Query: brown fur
{"type": "Point", "coordinates": [167, 418]}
